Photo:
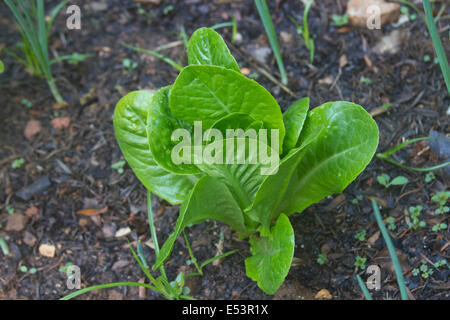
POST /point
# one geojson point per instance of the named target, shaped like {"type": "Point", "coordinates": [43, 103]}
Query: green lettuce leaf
{"type": "Point", "coordinates": [245, 173]}
{"type": "Point", "coordinates": [161, 125]}
{"type": "Point", "coordinates": [271, 256]}
{"type": "Point", "coordinates": [207, 47]}
{"type": "Point", "coordinates": [345, 138]}
{"type": "Point", "coordinates": [294, 118]}
{"type": "Point", "coordinates": [130, 127]}
{"type": "Point", "coordinates": [210, 199]}
{"type": "Point", "coordinates": [235, 121]}
{"type": "Point", "coordinates": [209, 93]}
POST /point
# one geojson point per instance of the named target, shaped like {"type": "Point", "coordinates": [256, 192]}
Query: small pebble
{"type": "Point", "coordinates": [29, 238]}
{"type": "Point", "coordinates": [47, 250]}
{"type": "Point", "coordinates": [324, 294]}
{"type": "Point", "coordinates": [123, 232]}
{"type": "Point", "coordinates": [16, 222]}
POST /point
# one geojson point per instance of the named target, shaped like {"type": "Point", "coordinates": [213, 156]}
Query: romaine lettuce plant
{"type": "Point", "coordinates": [320, 152]}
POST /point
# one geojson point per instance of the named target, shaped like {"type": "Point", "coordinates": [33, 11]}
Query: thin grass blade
{"type": "Point", "coordinates": [107, 285]}
{"type": "Point", "coordinates": [221, 256]}
{"type": "Point", "coordinates": [53, 15]}
{"type": "Point", "coordinates": [437, 43]}
{"type": "Point", "coordinates": [386, 155]}
{"type": "Point", "coordinates": [264, 13]}
{"type": "Point", "coordinates": [392, 253]}
{"type": "Point", "coordinates": [167, 60]}
{"type": "Point", "coordinates": [191, 254]}
{"type": "Point", "coordinates": [141, 264]}
{"type": "Point", "coordinates": [42, 34]}
{"type": "Point", "coordinates": [222, 25]}
{"type": "Point", "coordinates": [364, 288]}
{"type": "Point", "coordinates": [305, 20]}
{"type": "Point", "coordinates": [234, 30]}
{"type": "Point", "coordinates": [3, 244]}
{"type": "Point", "coordinates": [140, 252]}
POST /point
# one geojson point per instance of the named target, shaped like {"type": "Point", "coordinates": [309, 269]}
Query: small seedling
{"type": "Point", "coordinates": [361, 236]}
{"type": "Point", "coordinates": [414, 213]}
{"type": "Point", "coordinates": [322, 258]}
{"type": "Point", "coordinates": [357, 199]}
{"type": "Point", "coordinates": [27, 103]}
{"type": "Point", "coordinates": [9, 209]}
{"type": "Point", "coordinates": [441, 263]}
{"type": "Point", "coordinates": [190, 262]}
{"type": "Point", "coordinates": [304, 31]}
{"type": "Point", "coordinates": [168, 9]}
{"type": "Point", "coordinates": [340, 20]}
{"type": "Point", "coordinates": [360, 262]}
{"type": "Point", "coordinates": [150, 15]}
{"type": "Point", "coordinates": [405, 11]}
{"type": "Point", "coordinates": [391, 223]}
{"type": "Point", "coordinates": [385, 180]}
{"type": "Point", "coordinates": [63, 269]}
{"type": "Point", "coordinates": [141, 11]}
{"type": "Point", "coordinates": [17, 163]}
{"type": "Point", "coordinates": [178, 285]}
{"type": "Point", "coordinates": [429, 177]}
{"type": "Point", "coordinates": [426, 272]}
{"type": "Point", "coordinates": [118, 166]}
{"type": "Point", "coordinates": [25, 269]}
{"type": "Point", "coordinates": [427, 58]}
{"type": "Point", "coordinates": [439, 227]}
{"type": "Point", "coordinates": [365, 80]}
{"type": "Point", "coordinates": [441, 198]}
{"type": "Point", "coordinates": [129, 65]}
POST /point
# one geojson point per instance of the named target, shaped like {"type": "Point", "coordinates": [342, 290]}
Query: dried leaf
{"type": "Point", "coordinates": [374, 238]}
{"type": "Point", "coordinates": [61, 122]}
{"type": "Point", "coordinates": [92, 212]}
{"type": "Point", "coordinates": [324, 294]}
{"type": "Point", "coordinates": [32, 128]}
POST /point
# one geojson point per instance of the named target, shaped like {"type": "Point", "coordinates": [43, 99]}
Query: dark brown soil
{"type": "Point", "coordinates": [77, 160]}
